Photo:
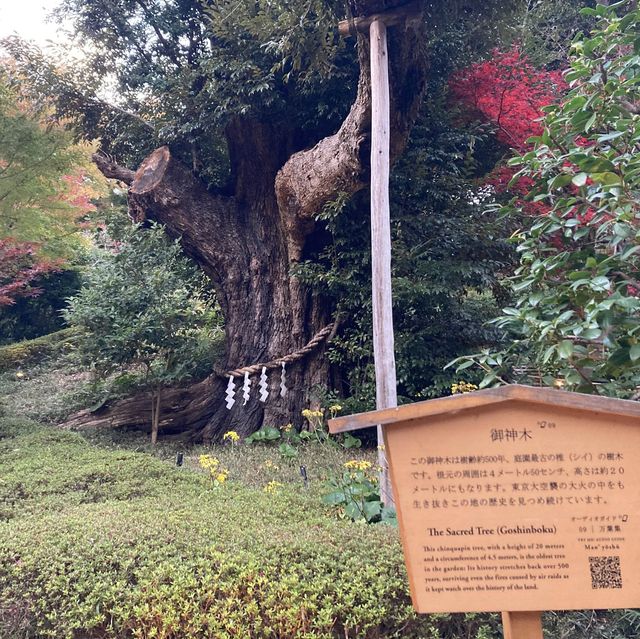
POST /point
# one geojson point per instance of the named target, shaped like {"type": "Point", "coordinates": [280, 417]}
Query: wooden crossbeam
{"type": "Point", "coordinates": [398, 15]}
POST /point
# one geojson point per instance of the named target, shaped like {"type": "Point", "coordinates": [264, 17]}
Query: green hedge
{"type": "Point", "coordinates": [117, 544]}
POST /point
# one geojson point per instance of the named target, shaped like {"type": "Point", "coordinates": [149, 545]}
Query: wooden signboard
{"type": "Point", "coordinates": [516, 499]}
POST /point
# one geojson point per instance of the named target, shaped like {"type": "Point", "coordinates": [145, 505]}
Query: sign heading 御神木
{"type": "Point", "coordinates": [516, 499]}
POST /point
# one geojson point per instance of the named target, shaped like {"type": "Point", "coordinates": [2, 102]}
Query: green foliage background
{"type": "Point", "coordinates": [183, 71]}
{"type": "Point", "coordinates": [144, 305]}
{"type": "Point", "coordinates": [574, 320]}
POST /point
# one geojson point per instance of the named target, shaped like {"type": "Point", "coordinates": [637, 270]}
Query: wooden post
{"type": "Point", "coordinates": [522, 625]}
{"type": "Point", "coordinates": [385, 364]}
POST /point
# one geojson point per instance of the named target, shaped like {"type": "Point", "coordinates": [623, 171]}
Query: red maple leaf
{"type": "Point", "coordinates": [20, 268]}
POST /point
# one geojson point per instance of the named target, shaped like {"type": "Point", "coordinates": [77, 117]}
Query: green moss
{"type": "Point", "coordinates": [33, 351]}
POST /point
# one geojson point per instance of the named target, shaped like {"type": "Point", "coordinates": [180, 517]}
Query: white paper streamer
{"type": "Point", "coordinates": [246, 389]}
{"type": "Point", "coordinates": [263, 385]}
{"type": "Point", "coordinates": [230, 393]}
{"type": "Point", "coordinates": [283, 381]}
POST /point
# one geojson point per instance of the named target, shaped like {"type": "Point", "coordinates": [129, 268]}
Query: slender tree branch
{"type": "Point", "coordinates": [107, 106]}
{"type": "Point", "coordinates": [168, 49]}
{"type": "Point", "coordinates": [122, 27]}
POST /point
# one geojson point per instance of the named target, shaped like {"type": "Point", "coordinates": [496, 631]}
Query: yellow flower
{"type": "Point", "coordinates": [272, 487]}
{"type": "Point", "coordinates": [286, 428]}
{"type": "Point", "coordinates": [462, 387]}
{"type": "Point", "coordinates": [209, 463]}
{"type": "Point", "coordinates": [269, 465]}
{"type": "Point", "coordinates": [212, 465]}
{"type": "Point", "coordinates": [19, 374]}
{"type": "Point", "coordinates": [336, 408]}
{"type": "Point", "coordinates": [355, 464]}
{"type": "Point", "coordinates": [232, 436]}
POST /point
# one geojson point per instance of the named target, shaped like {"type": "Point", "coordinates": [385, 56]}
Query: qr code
{"type": "Point", "coordinates": [605, 572]}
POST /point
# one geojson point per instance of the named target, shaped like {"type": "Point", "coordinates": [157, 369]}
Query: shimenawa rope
{"type": "Point", "coordinates": [315, 341]}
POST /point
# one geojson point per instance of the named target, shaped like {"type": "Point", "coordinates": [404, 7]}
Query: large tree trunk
{"type": "Point", "coordinates": [248, 242]}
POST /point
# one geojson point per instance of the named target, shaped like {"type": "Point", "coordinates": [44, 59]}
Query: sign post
{"type": "Point", "coordinates": [516, 499]}
{"type": "Point", "coordinates": [522, 625]}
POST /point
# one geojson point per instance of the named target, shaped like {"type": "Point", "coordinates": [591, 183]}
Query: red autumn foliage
{"type": "Point", "coordinates": [78, 195]}
{"type": "Point", "coordinates": [508, 92]}
{"type": "Point", "coordinates": [20, 268]}
{"type": "Point", "coordinates": [21, 263]}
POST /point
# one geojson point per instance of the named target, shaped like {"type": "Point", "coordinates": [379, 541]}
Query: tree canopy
{"type": "Point", "coordinates": [42, 191]}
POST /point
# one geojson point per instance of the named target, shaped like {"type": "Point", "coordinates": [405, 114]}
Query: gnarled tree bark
{"type": "Point", "coordinates": [247, 243]}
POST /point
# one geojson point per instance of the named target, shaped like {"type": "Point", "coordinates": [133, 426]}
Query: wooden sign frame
{"type": "Point", "coordinates": [463, 423]}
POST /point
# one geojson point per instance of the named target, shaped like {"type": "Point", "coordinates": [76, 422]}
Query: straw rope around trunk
{"type": "Point", "coordinates": [316, 340]}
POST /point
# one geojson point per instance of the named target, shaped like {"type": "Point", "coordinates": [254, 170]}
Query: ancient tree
{"type": "Point", "coordinates": [237, 123]}
{"type": "Point", "coordinates": [248, 239]}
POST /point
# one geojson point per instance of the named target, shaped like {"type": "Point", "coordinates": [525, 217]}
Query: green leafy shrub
{"type": "Point", "coordinates": [16, 427]}
{"type": "Point", "coordinates": [356, 494]}
{"type": "Point", "coordinates": [265, 434]}
{"type": "Point", "coordinates": [595, 624]}
{"type": "Point", "coordinates": [289, 439]}
{"type": "Point", "coordinates": [144, 307]}
{"type": "Point", "coordinates": [116, 544]}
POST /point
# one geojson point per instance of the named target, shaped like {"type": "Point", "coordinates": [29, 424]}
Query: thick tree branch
{"type": "Point", "coordinates": [164, 190]}
{"type": "Point", "coordinates": [311, 178]}
{"type": "Point", "coordinates": [340, 163]}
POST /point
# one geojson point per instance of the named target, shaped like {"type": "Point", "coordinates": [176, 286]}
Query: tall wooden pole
{"type": "Point", "coordinates": [385, 363]}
